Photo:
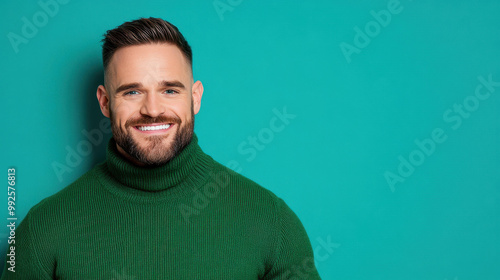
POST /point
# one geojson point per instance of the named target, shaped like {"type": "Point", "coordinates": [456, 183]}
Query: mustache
{"type": "Point", "coordinates": [149, 120]}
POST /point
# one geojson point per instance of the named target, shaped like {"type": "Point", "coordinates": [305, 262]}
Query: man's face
{"type": "Point", "coordinates": [151, 100]}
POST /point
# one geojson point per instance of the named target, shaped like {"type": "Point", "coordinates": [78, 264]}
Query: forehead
{"type": "Point", "coordinates": [148, 62]}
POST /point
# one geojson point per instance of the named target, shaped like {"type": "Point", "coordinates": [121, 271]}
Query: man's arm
{"type": "Point", "coordinates": [294, 258]}
{"type": "Point", "coordinates": [27, 263]}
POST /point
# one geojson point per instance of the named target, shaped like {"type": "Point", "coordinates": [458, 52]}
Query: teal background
{"type": "Point", "coordinates": [352, 119]}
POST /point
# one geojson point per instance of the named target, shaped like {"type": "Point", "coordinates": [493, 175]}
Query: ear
{"type": "Point", "coordinates": [103, 98]}
{"type": "Point", "coordinates": [197, 91]}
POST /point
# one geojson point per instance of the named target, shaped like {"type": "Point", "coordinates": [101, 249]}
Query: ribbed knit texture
{"type": "Point", "coordinates": [191, 218]}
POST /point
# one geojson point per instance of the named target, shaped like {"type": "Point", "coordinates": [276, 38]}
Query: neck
{"type": "Point", "coordinates": [128, 157]}
{"type": "Point", "coordinates": [190, 167]}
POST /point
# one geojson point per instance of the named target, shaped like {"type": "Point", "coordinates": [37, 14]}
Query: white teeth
{"type": "Point", "coordinates": [155, 127]}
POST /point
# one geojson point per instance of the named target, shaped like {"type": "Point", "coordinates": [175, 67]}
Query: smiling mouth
{"type": "Point", "coordinates": [154, 127]}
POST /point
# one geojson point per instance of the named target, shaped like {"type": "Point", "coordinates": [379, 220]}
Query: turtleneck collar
{"type": "Point", "coordinates": [189, 168]}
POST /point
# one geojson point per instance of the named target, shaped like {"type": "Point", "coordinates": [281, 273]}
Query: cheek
{"type": "Point", "coordinates": [122, 112]}
{"type": "Point", "coordinates": [182, 109]}
{"type": "Point", "coordinates": [186, 106]}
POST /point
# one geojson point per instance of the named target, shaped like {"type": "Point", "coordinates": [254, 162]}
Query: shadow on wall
{"type": "Point", "coordinates": [90, 150]}
{"type": "Point", "coordinates": [97, 127]}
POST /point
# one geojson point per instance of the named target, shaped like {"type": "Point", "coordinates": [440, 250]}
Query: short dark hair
{"type": "Point", "coordinates": [143, 31]}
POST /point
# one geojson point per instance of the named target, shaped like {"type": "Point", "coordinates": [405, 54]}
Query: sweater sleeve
{"type": "Point", "coordinates": [293, 258]}
{"type": "Point", "coordinates": [27, 263]}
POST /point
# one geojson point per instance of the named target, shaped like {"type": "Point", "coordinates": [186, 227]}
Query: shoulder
{"type": "Point", "coordinates": [68, 199]}
{"type": "Point", "coordinates": [243, 196]}
{"type": "Point", "coordinates": [240, 186]}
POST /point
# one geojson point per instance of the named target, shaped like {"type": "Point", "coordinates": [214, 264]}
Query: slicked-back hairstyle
{"type": "Point", "coordinates": [143, 31]}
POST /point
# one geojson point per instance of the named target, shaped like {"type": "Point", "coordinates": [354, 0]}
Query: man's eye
{"type": "Point", "coordinates": [133, 92]}
{"type": "Point", "coordinates": [170, 91]}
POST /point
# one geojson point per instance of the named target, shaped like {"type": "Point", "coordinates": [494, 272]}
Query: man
{"type": "Point", "coordinates": [158, 207]}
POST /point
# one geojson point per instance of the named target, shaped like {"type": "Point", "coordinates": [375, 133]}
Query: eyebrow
{"type": "Point", "coordinates": [163, 83]}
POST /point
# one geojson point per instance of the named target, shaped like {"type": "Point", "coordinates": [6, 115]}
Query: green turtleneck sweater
{"type": "Point", "coordinates": [191, 218]}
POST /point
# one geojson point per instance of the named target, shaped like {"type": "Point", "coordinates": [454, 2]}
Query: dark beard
{"type": "Point", "coordinates": [154, 154]}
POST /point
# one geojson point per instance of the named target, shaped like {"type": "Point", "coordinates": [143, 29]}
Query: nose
{"type": "Point", "coordinates": [152, 106]}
